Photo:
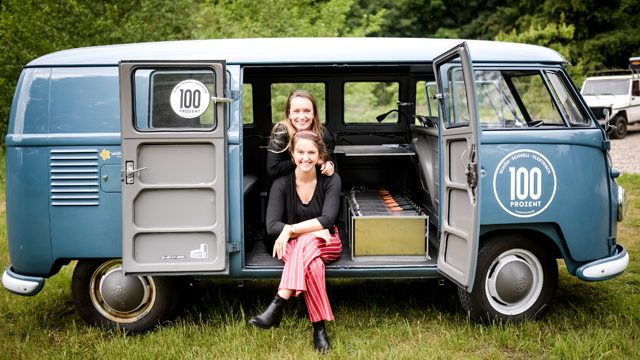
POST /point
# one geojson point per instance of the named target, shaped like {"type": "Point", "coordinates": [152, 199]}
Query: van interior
{"type": "Point", "coordinates": [397, 152]}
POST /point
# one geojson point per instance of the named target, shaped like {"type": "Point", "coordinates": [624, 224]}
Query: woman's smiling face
{"type": "Point", "coordinates": [305, 154]}
{"type": "Point", "coordinates": [301, 113]}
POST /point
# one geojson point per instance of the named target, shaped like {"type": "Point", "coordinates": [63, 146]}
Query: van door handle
{"type": "Point", "coordinates": [131, 171]}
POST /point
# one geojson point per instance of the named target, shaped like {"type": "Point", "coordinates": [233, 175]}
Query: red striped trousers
{"type": "Point", "coordinates": [304, 259]}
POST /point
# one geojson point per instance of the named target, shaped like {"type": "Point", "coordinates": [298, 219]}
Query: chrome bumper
{"type": "Point", "coordinates": [622, 203]}
{"type": "Point", "coordinates": [605, 269]}
{"type": "Point", "coordinates": [21, 284]}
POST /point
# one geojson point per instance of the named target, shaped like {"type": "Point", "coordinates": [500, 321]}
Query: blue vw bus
{"type": "Point", "coordinates": [146, 163]}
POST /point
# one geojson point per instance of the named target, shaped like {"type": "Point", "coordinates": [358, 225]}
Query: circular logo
{"type": "Point", "coordinates": [524, 183]}
{"type": "Point", "coordinates": [521, 284]}
{"type": "Point", "coordinates": [190, 99]}
{"type": "Point", "coordinates": [119, 294]}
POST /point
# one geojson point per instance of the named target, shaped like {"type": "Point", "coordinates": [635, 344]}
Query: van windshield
{"type": "Point", "coordinates": [606, 87]}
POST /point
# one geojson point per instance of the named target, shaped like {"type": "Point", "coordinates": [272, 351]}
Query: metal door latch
{"type": "Point", "coordinates": [131, 171]}
{"type": "Point", "coordinates": [472, 169]}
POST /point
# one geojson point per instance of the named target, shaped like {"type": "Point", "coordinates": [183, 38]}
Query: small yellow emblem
{"type": "Point", "coordinates": [105, 154]}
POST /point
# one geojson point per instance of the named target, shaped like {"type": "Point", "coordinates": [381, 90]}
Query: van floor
{"type": "Point", "coordinates": [259, 258]}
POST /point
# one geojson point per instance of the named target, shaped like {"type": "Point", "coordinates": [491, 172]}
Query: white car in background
{"type": "Point", "coordinates": [620, 95]}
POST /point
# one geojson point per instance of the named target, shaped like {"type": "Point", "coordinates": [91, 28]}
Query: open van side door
{"type": "Point", "coordinates": [459, 164]}
{"type": "Point", "coordinates": [174, 167]}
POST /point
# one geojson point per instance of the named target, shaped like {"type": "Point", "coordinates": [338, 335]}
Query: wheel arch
{"type": "Point", "coordinates": [547, 233]}
{"type": "Point", "coordinates": [622, 113]}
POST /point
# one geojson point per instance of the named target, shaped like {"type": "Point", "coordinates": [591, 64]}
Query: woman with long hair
{"type": "Point", "coordinates": [301, 114]}
{"type": "Point", "coordinates": [303, 206]}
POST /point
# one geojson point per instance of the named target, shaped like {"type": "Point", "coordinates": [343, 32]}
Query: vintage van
{"type": "Point", "coordinates": [146, 164]}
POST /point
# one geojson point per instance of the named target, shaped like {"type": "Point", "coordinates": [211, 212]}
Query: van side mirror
{"type": "Point", "coordinates": [608, 128]}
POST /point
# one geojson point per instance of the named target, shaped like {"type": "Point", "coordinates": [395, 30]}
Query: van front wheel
{"type": "Point", "coordinates": [105, 297]}
{"type": "Point", "coordinates": [516, 279]}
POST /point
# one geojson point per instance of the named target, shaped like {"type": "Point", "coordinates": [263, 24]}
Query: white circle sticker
{"type": "Point", "coordinates": [190, 99]}
{"type": "Point", "coordinates": [524, 183]}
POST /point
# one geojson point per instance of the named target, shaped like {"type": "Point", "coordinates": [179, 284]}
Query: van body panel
{"type": "Point", "coordinates": [85, 220]}
{"type": "Point", "coordinates": [28, 219]}
{"type": "Point", "coordinates": [576, 179]}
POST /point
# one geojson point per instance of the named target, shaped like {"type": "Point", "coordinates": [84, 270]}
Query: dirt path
{"type": "Point", "coordinates": [625, 153]}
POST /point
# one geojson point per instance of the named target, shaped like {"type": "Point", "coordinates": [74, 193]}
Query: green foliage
{"type": "Point", "coordinates": [223, 19]}
{"type": "Point", "coordinates": [32, 28]}
{"type": "Point", "coordinates": [429, 18]}
{"type": "Point", "coordinates": [553, 35]}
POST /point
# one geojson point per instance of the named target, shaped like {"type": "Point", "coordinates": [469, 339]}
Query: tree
{"type": "Point", "coordinates": [280, 18]}
{"type": "Point", "coordinates": [32, 28]}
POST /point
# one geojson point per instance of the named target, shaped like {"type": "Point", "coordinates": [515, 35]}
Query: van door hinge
{"type": "Point", "coordinates": [234, 247]}
{"type": "Point", "coordinates": [611, 241]}
{"type": "Point", "coordinates": [606, 145]}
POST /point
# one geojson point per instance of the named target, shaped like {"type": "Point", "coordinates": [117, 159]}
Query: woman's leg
{"type": "Point", "coordinates": [304, 272]}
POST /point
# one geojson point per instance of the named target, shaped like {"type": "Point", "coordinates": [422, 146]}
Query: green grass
{"type": "Point", "coordinates": [382, 319]}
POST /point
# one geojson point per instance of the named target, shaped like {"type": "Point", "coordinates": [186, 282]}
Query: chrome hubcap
{"type": "Point", "coordinates": [120, 298]}
{"type": "Point", "coordinates": [514, 281]}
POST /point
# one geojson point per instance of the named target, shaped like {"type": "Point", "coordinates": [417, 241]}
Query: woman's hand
{"type": "Point", "coordinates": [281, 243]}
{"type": "Point", "coordinates": [323, 234]}
{"type": "Point", "coordinates": [327, 168]}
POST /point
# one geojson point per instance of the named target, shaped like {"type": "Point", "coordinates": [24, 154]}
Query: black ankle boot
{"type": "Point", "coordinates": [272, 316]}
{"type": "Point", "coordinates": [320, 339]}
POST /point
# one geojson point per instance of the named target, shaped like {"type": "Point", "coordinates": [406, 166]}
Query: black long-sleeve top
{"type": "Point", "coordinates": [279, 161]}
{"type": "Point", "coordinates": [285, 207]}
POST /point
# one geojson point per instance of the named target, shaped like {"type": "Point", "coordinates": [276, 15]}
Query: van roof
{"type": "Point", "coordinates": [299, 51]}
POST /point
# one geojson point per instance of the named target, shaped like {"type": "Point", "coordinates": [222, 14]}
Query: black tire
{"type": "Point", "coordinates": [516, 279]}
{"type": "Point", "coordinates": [621, 127]}
{"type": "Point", "coordinates": [158, 302]}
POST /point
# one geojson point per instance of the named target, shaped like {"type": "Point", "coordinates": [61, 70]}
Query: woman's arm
{"type": "Point", "coordinates": [279, 163]}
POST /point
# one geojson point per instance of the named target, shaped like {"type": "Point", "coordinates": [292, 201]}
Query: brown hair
{"type": "Point", "coordinates": [286, 130]}
{"type": "Point", "coordinates": [315, 139]}
{"type": "Point", "coordinates": [316, 125]}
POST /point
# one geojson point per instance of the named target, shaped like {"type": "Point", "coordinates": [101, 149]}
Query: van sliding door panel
{"type": "Point", "coordinates": [188, 164]}
{"type": "Point", "coordinates": [175, 208]}
{"type": "Point", "coordinates": [459, 175]}
{"type": "Point", "coordinates": [178, 248]}
{"type": "Point", "coordinates": [174, 161]}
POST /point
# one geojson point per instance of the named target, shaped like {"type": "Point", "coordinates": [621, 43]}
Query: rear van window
{"type": "Point", "coordinates": [85, 100]}
{"type": "Point", "coordinates": [364, 101]}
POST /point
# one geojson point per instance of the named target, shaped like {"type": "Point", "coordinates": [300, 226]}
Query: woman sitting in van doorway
{"type": "Point", "coordinates": [303, 206]}
{"type": "Point", "coordinates": [301, 114]}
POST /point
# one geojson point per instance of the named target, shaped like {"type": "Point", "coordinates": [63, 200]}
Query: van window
{"type": "Point", "coordinates": [280, 93]}
{"type": "Point", "coordinates": [497, 107]}
{"type": "Point", "coordinates": [606, 87]}
{"type": "Point", "coordinates": [455, 99]}
{"type": "Point", "coordinates": [536, 101]}
{"type": "Point", "coordinates": [176, 99]}
{"type": "Point", "coordinates": [84, 100]}
{"type": "Point", "coordinates": [568, 107]}
{"type": "Point", "coordinates": [424, 104]}
{"type": "Point", "coordinates": [247, 104]}
{"type": "Point", "coordinates": [363, 101]}
{"type": "Point", "coordinates": [635, 88]}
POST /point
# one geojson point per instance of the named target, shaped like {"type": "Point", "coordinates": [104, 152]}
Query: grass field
{"type": "Point", "coordinates": [383, 319]}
